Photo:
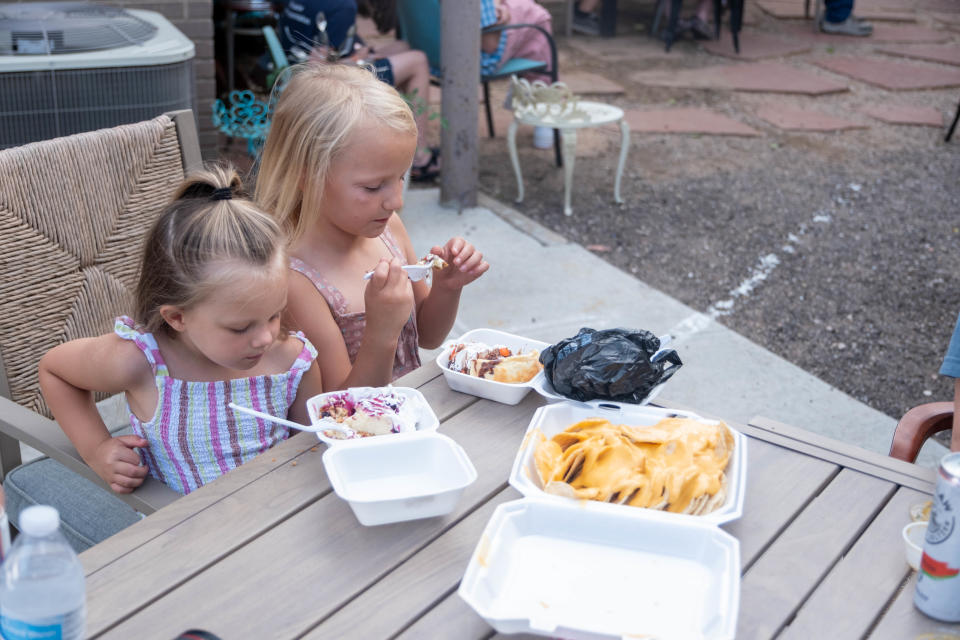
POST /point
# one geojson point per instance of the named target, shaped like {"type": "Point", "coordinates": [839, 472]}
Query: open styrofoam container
{"type": "Point", "coordinates": [506, 393]}
{"type": "Point", "coordinates": [543, 386]}
{"type": "Point", "coordinates": [554, 418]}
{"type": "Point", "coordinates": [427, 420]}
{"type": "Point", "coordinates": [394, 478]}
{"type": "Point", "coordinates": [549, 569]}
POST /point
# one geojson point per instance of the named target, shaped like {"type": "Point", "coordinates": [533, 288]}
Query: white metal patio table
{"type": "Point", "coordinates": [578, 115]}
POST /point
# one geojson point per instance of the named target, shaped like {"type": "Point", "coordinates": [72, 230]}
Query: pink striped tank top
{"type": "Point", "coordinates": [352, 324]}
{"type": "Point", "coordinates": [194, 436]}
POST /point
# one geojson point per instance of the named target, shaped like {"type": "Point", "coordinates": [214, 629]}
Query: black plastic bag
{"type": "Point", "coordinates": [611, 364]}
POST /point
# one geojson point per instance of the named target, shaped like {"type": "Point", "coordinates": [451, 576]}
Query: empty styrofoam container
{"type": "Point", "coordinates": [553, 570]}
{"type": "Point", "coordinates": [554, 418]}
{"type": "Point", "coordinates": [506, 393]}
{"type": "Point", "coordinates": [399, 477]}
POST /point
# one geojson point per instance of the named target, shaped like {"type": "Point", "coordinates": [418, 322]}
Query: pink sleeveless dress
{"type": "Point", "coordinates": [352, 324]}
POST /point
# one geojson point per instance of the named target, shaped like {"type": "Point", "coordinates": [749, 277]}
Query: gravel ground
{"type": "Point", "coordinates": [843, 246]}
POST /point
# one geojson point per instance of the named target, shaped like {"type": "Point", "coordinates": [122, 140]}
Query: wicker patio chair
{"type": "Point", "coordinates": [73, 212]}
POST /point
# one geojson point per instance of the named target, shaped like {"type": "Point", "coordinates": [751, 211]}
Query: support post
{"type": "Point", "coordinates": [460, 53]}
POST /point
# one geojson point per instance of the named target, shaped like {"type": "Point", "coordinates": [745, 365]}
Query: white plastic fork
{"type": "Point", "coordinates": [349, 433]}
{"type": "Point", "coordinates": [414, 271]}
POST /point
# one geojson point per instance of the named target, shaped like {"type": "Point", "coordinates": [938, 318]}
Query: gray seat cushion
{"type": "Point", "coordinates": [88, 513]}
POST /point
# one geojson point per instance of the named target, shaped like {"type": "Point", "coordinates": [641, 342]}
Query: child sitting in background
{"type": "Point", "coordinates": [498, 47]}
{"type": "Point", "coordinates": [332, 173]}
{"type": "Point", "coordinates": [395, 62]}
{"type": "Point", "coordinates": [213, 286]}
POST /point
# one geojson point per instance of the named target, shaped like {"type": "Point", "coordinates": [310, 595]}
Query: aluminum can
{"type": "Point", "coordinates": [938, 581]}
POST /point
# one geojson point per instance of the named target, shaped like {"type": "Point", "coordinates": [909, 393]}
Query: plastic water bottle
{"type": "Point", "coordinates": [42, 592]}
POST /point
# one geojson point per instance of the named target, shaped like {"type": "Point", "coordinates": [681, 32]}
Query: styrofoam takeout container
{"type": "Point", "coordinates": [554, 418]}
{"type": "Point", "coordinates": [420, 475]}
{"type": "Point", "coordinates": [549, 569]}
{"type": "Point", "coordinates": [427, 420]}
{"type": "Point", "coordinates": [506, 393]}
{"type": "Point", "coordinates": [543, 386]}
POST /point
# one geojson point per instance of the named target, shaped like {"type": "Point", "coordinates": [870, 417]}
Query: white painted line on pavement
{"type": "Point", "coordinates": [697, 322]}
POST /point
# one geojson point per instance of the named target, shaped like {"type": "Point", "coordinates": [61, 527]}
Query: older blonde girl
{"type": "Point", "coordinates": [332, 174]}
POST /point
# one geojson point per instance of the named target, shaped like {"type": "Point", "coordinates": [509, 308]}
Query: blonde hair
{"type": "Point", "coordinates": [208, 225]}
{"type": "Point", "coordinates": [318, 109]}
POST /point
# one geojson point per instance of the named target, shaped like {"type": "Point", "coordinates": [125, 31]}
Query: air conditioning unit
{"type": "Point", "coordinates": [68, 67]}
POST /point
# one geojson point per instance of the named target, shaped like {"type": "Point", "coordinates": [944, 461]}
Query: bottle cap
{"type": "Point", "coordinates": [39, 520]}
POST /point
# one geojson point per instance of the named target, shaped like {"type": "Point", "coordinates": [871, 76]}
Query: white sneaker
{"type": "Point", "coordinates": [852, 26]}
{"type": "Point", "coordinates": [542, 137]}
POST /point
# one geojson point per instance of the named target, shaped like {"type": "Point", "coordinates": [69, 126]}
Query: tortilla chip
{"type": "Point", "coordinates": [517, 369]}
{"type": "Point", "coordinates": [557, 488]}
{"type": "Point", "coordinates": [677, 464]}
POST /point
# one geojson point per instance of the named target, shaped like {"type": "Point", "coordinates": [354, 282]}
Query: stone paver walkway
{"type": "Point", "coordinates": [882, 32]}
{"type": "Point", "coordinates": [894, 76]}
{"type": "Point", "coordinates": [766, 77]}
{"type": "Point", "coordinates": [903, 75]}
{"type": "Point", "coordinates": [905, 114]}
{"type": "Point", "coordinates": [686, 120]}
{"type": "Point", "coordinates": [794, 118]}
{"type": "Point", "coordinates": [945, 53]}
{"type": "Point", "coordinates": [852, 83]}
{"type": "Point", "coordinates": [591, 83]}
{"type": "Point", "coordinates": [755, 45]}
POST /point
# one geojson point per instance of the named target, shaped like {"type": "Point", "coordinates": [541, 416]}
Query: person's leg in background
{"type": "Point", "coordinates": [530, 44]}
{"type": "Point", "coordinates": [699, 22]}
{"type": "Point", "coordinates": [585, 18]}
{"type": "Point", "coordinates": [411, 77]}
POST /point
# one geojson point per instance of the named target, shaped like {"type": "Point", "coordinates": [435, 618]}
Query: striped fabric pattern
{"type": "Point", "coordinates": [194, 436]}
{"type": "Point", "coordinates": [488, 16]}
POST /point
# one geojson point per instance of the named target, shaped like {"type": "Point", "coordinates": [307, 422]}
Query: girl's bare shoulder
{"type": "Point", "coordinates": [285, 353]}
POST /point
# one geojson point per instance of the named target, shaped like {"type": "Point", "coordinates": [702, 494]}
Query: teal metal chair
{"type": "Point", "coordinates": [419, 25]}
{"type": "Point", "coordinates": [242, 115]}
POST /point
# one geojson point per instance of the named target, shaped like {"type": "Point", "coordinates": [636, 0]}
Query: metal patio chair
{"type": "Point", "coordinates": [418, 22]}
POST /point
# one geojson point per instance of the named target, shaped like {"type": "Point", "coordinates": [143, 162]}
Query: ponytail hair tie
{"type": "Point", "coordinates": [223, 193]}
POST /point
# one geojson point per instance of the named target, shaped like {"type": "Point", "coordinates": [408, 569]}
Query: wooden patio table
{"type": "Point", "coordinates": [269, 551]}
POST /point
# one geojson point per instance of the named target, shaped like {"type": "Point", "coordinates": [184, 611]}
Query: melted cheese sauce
{"type": "Point", "coordinates": [677, 464]}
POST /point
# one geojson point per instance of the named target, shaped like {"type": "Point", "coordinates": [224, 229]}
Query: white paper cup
{"type": "Point", "coordinates": [913, 535]}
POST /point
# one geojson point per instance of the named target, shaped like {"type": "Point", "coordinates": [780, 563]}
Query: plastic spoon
{"type": "Point", "coordinates": [414, 271]}
{"type": "Point", "coordinates": [349, 433]}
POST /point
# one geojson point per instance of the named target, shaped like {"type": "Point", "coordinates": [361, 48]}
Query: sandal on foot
{"type": "Point", "coordinates": [429, 170]}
